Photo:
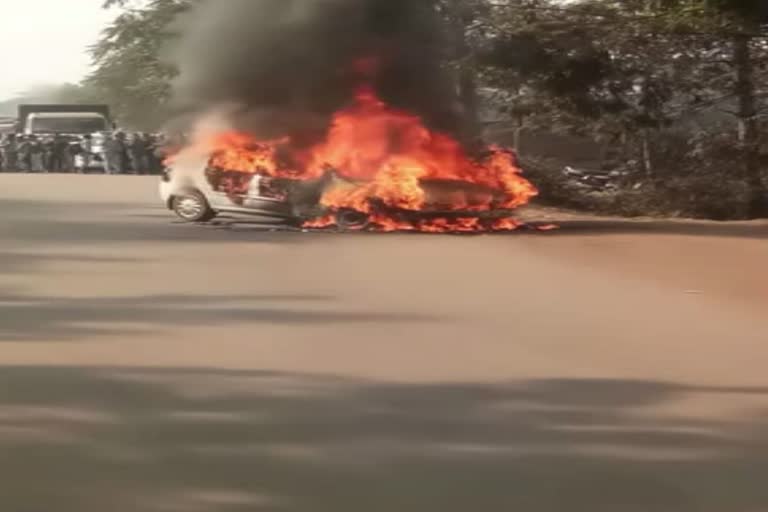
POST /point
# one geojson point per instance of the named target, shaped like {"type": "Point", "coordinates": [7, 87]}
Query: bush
{"type": "Point", "coordinates": [706, 196]}
{"type": "Point", "coordinates": [695, 180]}
{"type": "Point", "coordinates": [555, 189]}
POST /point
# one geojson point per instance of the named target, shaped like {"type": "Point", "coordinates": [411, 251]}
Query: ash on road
{"type": "Point", "coordinates": [151, 366]}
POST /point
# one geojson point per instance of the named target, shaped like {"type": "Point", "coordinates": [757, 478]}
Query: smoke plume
{"type": "Point", "coordinates": [284, 66]}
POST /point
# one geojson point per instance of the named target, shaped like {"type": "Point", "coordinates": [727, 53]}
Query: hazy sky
{"type": "Point", "coordinates": [45, 41]}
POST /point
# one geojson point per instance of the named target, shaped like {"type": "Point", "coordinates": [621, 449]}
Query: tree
{"type": "Point", "coordinates": [740, 26]}
{"type": "Point", "coordinates": [459, 16]}
{"type": "Point", "coordinates": [568, 69]}
{"type": "Point", "coordinates": [130, 73]}
{"type": "Point", "coordinates": [627, 70]}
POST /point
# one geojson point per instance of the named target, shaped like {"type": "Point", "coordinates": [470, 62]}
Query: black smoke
{"type": "Point", "coordinates": [289, 64]}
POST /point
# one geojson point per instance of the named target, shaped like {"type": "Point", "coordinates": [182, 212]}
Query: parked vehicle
{"type": "Point", "coordinates": [74, 122]}
{"type": "Point", "coordinates": [597, 180]}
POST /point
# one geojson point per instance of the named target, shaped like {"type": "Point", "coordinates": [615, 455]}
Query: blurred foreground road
{"type": "Point", "coordinates": [150, 366]}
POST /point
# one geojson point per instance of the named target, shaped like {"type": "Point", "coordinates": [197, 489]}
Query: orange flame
{"type": "Point", "coordinates": [388, 158]}
{"type": "Point", "coordinates": [326, 221]}
{"type": "Point", "coordinates": [241, 152]}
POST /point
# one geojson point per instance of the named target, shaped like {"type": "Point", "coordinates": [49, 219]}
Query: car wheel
{"type": "Point", "coordinates": [352, 220]}
{"type": "Point", "coordinates": [192, 207]}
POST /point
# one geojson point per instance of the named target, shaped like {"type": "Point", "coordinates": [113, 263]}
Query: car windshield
{"type": "Point", "coordinates": [68, 125]}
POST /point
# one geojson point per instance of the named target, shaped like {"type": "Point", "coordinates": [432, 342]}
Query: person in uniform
{"type": "Point", "coordinates": [113, 154]}
{"type": "Point", "coordinates": [49, 157]}
{"type": "Point", "coordinates": [24, 154]}
{"type": "Point", "coordinates": [36, 155]}
{"type": "Point", "coordinates": [10, 152]}
{"type": "Point", "coordinates": [153, 162]}
{"type": "Point", "coordinates": [121, 153]}
{"type": "Point", "coordinates": [61, 155]}
{"type": "Point", "coordinates": [137, 153]}
{"type": "Point", "coordinates": [82, 153]}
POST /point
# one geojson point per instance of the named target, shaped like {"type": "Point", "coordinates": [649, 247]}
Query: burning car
{"type": "Point", "coordinates": [299, 202]}
{"type": "Point", "coordinates": [377, 168]}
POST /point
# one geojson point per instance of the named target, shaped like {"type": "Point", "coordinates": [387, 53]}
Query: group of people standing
{"type": "Point", "coordinates": [136, 153]}
{"type": "Point", "coordinates": [118, 153]}
{"type": "Point", "coordinates": [33, 154]}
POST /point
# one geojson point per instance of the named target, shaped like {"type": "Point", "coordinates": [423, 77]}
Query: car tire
{"type": "Point", "coordinates": [192, 207]}
{"type": "Point", "coordinates": [352, 220]}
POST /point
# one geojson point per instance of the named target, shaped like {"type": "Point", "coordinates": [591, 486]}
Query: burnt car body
{"type": "Point", "coordinates": [198, 191]}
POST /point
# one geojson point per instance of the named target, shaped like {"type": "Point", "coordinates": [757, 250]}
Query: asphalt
{"type": "Point", "coordinates": [148, 365]}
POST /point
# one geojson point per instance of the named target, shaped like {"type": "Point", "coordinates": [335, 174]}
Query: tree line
{"type": "Point", "coordinates": [677, 89]}
{"type": "Point", "coordinates": [676, 86]}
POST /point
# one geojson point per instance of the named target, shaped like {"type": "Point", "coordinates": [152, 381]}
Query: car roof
{"type": "Point", "coordinates": [64, 115]}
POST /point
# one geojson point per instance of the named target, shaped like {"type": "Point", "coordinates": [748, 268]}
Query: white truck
{"type": "Point", "coordinates": [64, 119]}
{"type": "Point", "coordinates": [83, 125]}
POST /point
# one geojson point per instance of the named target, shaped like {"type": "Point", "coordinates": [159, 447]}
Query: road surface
{"type": "Point", "coordinates": [151, 366]}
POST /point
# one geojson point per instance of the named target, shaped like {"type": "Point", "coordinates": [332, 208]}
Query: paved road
{"type": "Point", "coordinates": [152, 366]}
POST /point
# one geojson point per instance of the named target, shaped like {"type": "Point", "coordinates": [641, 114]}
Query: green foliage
{"type": "Point", "coordinates": [130, 73]}
{"type": "Point", "coordinates": [626, 72]}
